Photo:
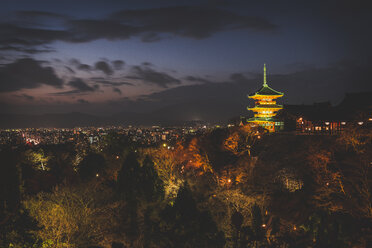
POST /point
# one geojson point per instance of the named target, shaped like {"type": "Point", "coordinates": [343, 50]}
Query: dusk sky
{"type": "Point", "coordinates": [105, 57]}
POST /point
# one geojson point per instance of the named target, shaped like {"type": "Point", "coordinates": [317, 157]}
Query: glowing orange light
{"type": "Point", "coordinates": [294, 228]}
{"type": "Point", "coordinates": [229, 180]}
{"type": "Point", "coordinates": [117, 157]}
{"type": "Point", "coordinates": [263, 225]}
{"type": "Point", "coordinates": [97, 175]}
{"type": "Point", "coordinates": [258, 137]}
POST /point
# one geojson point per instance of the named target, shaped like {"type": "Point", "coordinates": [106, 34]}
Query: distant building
{"type": "Point", "coordinates": [356, 108]}
{"type": "Point", "coordinates": [265, 108]}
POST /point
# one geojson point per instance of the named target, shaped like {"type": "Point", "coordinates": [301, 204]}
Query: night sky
{"type": "Point", "coordinates": [191, 57]}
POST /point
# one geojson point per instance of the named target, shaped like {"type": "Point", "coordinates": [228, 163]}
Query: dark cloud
{"type": "Point", "coordinates": [118, 64]}
{"type": "Point", "coordinates": [101, 66]}
{"type": "Point", "coordinates": [150, 76]}
{"type": "Point", "coordinates": [197, 79]}
{"type": "Point", "coordinates": [147, 64]}
{"type": "Point", "coordinates": [79, 87]}
{"type": "Point", "coordinates": [84, 67]}
{"type": "Point", "coordinates": [28, 50]}
{"type": "Point", "coordinates": [12, 34]}
{"type": "Point", "coordinates": [27, 97]}
{"type": "Point", "coordinates": [88, 30]}
{"type": "Point", "coordinates": [80, 66]}
{"type": "Point", "coordinates": [82, 101]}
{"type": "Point", "coordinates": [35, 28]}
{"type": "Point", "coordinates": [27, 73]}
{"type": "Point", "coordinates": [117, 90]}
{"type": "Point", "coordinates": [109, 83]}
{"type": "Point", "coordinates": [74, 62]}
{"type": "Point", "coordinates": [151, 37]}
{"type": "Point", "coordinates": [32, 14]}
{"type": "Point", "coordinates": [189, 21]}
{"type": "Point", "coordinates": [104, 67]}
{"type": "Point", "coordinates": [70, 70]}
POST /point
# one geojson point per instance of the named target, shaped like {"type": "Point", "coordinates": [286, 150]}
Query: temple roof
{"type": "Point", "coordinates": [263, 119]}
{"type": "Point", "coordinates": [265, 89]}
{"type": "Point", "coordinates": [275, 106]}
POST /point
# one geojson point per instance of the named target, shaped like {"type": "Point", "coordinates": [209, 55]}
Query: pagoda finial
{"type": "Point", "coordinates": [264, 76]}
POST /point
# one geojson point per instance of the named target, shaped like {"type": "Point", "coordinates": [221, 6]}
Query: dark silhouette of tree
{"type": "Point", "coordinates": [257, 223]}
{"type": "Point", "coordinates": [136, 182]}
{"type": "Point", "coordinates": [115, 143]}
{"type": "Point", "coordinates": [151, 184]}
{"type": "Point", "coordinates": [61, 163]}
{"type": "Point", "coordinates": [138, 186]}
{"type": "Point", "coordinates": [186, 226]}
{"type": "Point", "coordinates": [91, 166]}
{"type": "Point", "coordinates": [330, 230]}
{"type": "Point", "coordinates": [129, 178]}
{"type": "Point", "coordinates": [15, 223]}
{"type": "Point", "coordinates": [237, 220]}
{"type": "Point", "coordinates": [9, 184]}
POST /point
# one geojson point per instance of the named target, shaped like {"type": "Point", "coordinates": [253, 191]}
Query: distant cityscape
{"type": "Point", "coordinates": [91, 135]}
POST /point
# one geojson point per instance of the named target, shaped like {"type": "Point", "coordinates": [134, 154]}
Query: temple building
{"type": "Point", "coordinates": [323, 118]}
{"type": "Point", "coordinates": [265, 108]}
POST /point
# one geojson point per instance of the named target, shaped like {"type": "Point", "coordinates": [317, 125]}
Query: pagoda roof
{"type": "Point", "coordinates": [263, 119]}
{"type": "Point", "coordinates": [267, 106]}
{"type": "Point", "coordinates": [266, 91]}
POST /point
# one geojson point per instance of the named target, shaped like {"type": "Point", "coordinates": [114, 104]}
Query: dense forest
{"type": "Point", "coordinates": [233, 187]}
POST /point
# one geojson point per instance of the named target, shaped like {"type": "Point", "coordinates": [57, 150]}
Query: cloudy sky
{"type": "Point", "coordinates": [104, 57]}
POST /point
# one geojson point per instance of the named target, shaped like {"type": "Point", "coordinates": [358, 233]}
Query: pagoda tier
{"type": "Point", "coordinates": [267, 92]}
{"type": "Point", "coordinates": [261, 120]}
{"type": "Point", "coordinates": [273, 107]}
{"type": "Point", "coordinates": [265, 108]}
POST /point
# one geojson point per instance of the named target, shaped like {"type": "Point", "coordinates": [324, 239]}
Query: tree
{"type": "Point", "coordinates": [38, 159]}
{"type": "Point", "coordinates": [257, 223]}
{"type": "Point", "coordinates": [15, 223]}
{"type": "Point", "coordinates": [91, 166]}
{"type": "Point", "coordinates": [77, 216]}
{"type": "Point", "coordinates": [167, 163]}
{"type": "Point", "coordinates": [129, 178]}
{"type": "Point", "coordinates": [140, 187]}
{"type": "Point", "coordinates": [152, 185]}
{"type": "Point", "coordinates": [241, 140]}
{"type": "Point", "coordinates": [237, 220]}
{"type": "Point", "coordinates": [186, 226]}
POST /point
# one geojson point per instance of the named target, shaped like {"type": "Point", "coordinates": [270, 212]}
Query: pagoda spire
{"type": "Point", "coordinates": [264, 77]}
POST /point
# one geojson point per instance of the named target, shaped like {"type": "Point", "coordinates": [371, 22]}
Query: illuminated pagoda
{"type": "Point", "coordinates": [265, 107]}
